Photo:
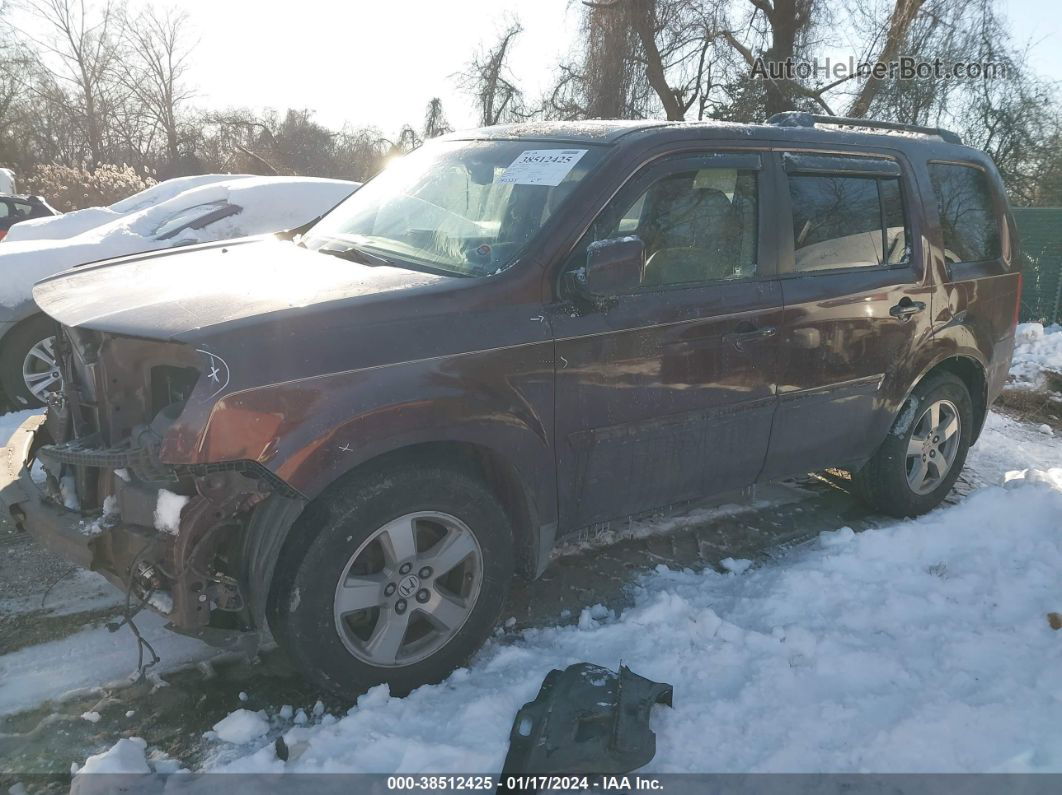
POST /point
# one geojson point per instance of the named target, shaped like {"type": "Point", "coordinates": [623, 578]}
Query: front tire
{"type": "Point", "coordinates": [924, 453]}
{"type": "Point", "coordinates": [396, 578]}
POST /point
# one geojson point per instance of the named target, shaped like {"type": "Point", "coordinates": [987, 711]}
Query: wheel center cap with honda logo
{"type": "Point", "coordinates": [408, 586]}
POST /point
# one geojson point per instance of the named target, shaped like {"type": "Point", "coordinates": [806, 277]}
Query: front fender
{"type": "Point", "coordinates": [310, 432]}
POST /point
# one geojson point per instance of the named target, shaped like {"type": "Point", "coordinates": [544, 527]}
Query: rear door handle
{"type": "Point", "coordinates": [739, 338]}
{"type": "Point", "coordinates": [906, 308]}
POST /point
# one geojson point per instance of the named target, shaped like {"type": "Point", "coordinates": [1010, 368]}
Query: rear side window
{"type": "Point", "coordinates": [842, 221]}
{"type": "Point", "coordinates": [967, 220]}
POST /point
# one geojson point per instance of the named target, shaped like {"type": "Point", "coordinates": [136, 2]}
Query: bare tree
{"type": "Point", "coordinates": [155, 70]}
{"type": "Point", "coordinates": [488, 80]}
{"type": "Point", "coordinates": [435, 123]}
{"type": "Point", "coordinates": [78, 50]}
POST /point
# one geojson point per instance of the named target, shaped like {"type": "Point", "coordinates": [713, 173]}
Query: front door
{"type": "Point", "coordinates": [855, 304]}
{"type": "Point", "coordinates": [667, 392]}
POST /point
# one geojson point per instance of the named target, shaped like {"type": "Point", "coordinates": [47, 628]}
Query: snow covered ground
{"type": "Point", "coordinates": [919, 646]}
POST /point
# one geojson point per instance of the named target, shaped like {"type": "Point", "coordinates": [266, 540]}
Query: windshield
{"type": "Point", "coordinates": [461, 207]}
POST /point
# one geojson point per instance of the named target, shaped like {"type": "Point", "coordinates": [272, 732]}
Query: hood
{"type": "Point", "coordinates": [181, 294]}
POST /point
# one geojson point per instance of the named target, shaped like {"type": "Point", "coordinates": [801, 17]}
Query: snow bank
{"type": "Point", "coordinates": [921, 646]}
{"type": "Point", "coordinates": [1037, 351]}
{"type": "Point", "coordinates": [125, 756]}
{"type": "Point", "coordinates": [241, 726]}
{"type": "Point", "coordinates": [270, 204]}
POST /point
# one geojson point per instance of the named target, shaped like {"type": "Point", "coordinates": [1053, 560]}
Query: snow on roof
{"type": "Point", "coordinates": [268, 204]}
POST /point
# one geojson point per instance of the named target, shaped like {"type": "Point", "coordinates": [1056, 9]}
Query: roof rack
{"type": "Point", "coordinates": [794, 118]}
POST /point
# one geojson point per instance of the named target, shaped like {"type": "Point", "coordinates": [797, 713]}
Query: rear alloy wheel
{"type": "Point", "coordinates": [29, 370]}
{"type": "Point", "coordinates": [933, 445]}
{"type": "Point", "coordinates": [394, 576]}
{"type": "Point", "coordinates": [923, 455]}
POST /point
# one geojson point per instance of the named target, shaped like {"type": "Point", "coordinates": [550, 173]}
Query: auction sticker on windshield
{"type": "Point", "coordinates": [541, 166]}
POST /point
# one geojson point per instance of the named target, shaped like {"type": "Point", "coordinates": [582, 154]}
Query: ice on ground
{"type": "Point", "coordinates": [1037, 351]}
{"type": "Point", "coordinates": [241, 726]}
{"type": "Point", "coordinates": [168, 509]}
{"type": "Point", "coordinates": [90, 659]}
{"type": "Point", "coordinates": [920, 646]}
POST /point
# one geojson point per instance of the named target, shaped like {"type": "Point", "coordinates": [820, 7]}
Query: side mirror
{"type": "Point", "coordinates": [612, 267]}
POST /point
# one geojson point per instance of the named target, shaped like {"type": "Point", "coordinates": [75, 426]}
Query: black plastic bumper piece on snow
{"type": "Point", "coordinates": [585, 720]}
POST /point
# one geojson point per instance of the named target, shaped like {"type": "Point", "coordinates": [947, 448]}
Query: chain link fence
{"type": "Point", "coordinates": [1040, 232]}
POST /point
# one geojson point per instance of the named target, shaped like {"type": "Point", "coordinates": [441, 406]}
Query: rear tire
{"type": "Point", "coordinates": [352, 557]}
{"type": "Point", "coordinates": [31, 334]}
{"type": "Point", "coordinates": [919, 461]}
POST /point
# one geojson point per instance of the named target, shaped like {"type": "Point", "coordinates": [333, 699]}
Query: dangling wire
{"type": "Point", "coordinates": [56, 581]}
{"type": "Point", "coordinates": [129, 613]}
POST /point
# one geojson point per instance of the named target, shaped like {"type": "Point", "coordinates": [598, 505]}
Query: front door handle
{"type": "Point", "coordinates": [906, 308]}
{"type": "Point", "coordinates": [739, 338]}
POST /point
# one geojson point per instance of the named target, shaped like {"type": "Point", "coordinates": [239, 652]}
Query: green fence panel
{"type": "Point", "coordinates": [1040, 232]}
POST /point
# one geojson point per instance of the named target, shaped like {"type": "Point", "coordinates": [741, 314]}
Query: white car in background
{"type": "Point", "coordinates": [177, 212]}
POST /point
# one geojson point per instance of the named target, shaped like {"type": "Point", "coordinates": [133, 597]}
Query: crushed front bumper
{"type": "Point", "coordinates": [132, 555]}
{"type": "Point", "coordinates": [55, 527]}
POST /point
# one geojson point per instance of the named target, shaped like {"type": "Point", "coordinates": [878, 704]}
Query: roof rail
{"type": "Point", "coordinates": [794, 118]}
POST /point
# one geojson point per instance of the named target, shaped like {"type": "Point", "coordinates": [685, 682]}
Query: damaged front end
{"type": "Point", "coordinates": [90, 482]}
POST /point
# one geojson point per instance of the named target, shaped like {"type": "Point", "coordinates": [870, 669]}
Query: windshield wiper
{"type": "Point", "coordinates": [357, 254]}
{"type": "Point", "coordinates": [363, 256]}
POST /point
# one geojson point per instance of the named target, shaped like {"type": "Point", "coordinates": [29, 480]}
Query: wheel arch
{"type": "Point", "coordinates": [972, 372]}
{"type": "Point", "coordinates": [269, 528]}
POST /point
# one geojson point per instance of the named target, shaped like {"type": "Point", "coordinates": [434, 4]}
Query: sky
{"type": "Point", "coordinates": [366, 61]}
{"type": "Point", "coordinates": [379, 62]}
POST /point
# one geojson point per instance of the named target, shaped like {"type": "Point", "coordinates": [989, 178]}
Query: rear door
{"type": "Point", "coordinates": [856, 302]}
{"type": "Point", "coordinates": [667, 393]}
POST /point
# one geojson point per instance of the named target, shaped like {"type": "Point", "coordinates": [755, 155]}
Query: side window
{"type": "Point", "coordinates": [22, 210]}
{"type": "Point", "coordinates": [967, 219]}
{"type": "Point", "coordinates": [842, 221]}
{"type": "Point", "coordinates": [5, 209]}
{"type": "Point", "coordinates": [697, 224]}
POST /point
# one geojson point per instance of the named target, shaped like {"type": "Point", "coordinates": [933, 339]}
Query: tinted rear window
{"type": "Point", "coordinates": [967, 219]}
{"type": "Point", "coordinates": [844, 221]}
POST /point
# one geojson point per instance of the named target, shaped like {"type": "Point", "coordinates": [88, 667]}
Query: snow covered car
{"type": "Point", "coordinates": [19, 209]}
{"type": "Point", "coordinates": [353, 441]}
{"type": "Point", "coordinates": [177, 212]}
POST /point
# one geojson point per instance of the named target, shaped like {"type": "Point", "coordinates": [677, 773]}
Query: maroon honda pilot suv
{"type": "Point", "coordinates": [353, 439]}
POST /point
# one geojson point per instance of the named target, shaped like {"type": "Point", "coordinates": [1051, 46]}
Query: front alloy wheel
{"type": "Point", "coordinates": [40, 370]}
{"type": "Point", "coordinates": [394, 575]}
{"type": "Point", "coordinates": [408, 589]}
